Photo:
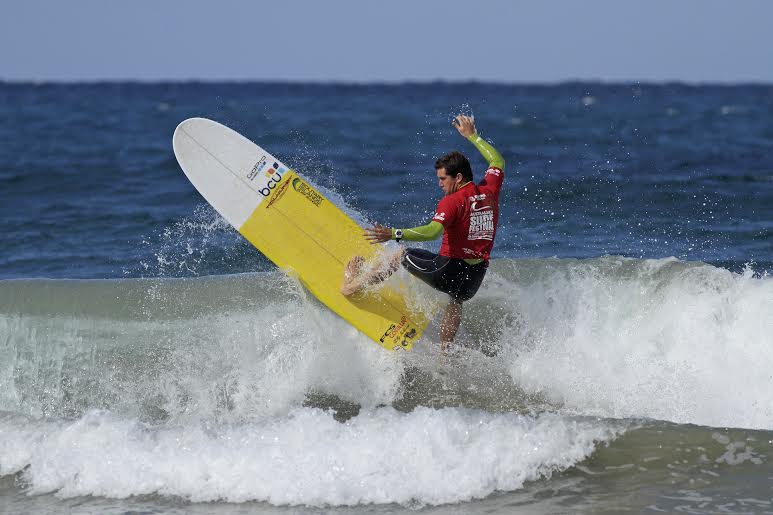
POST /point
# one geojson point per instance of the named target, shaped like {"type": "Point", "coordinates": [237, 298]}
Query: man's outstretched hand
{"type": "Point", "coordinates": [465, 125]}
{"type": "Point", "coordinates": [378, 234]}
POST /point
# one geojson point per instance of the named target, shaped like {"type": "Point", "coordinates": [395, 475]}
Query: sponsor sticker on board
{"type": "Point", "coordinates": [307, 191]}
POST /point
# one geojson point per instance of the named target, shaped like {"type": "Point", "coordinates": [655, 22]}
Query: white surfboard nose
{"type": "Point", "coordinates": [228, 169]}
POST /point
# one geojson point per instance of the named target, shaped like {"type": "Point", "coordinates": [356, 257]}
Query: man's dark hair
{"type": "Point", "coordinates": [455, 163]}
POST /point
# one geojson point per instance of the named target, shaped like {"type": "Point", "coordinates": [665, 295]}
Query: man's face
{"type": "Point", "coordinates": [447, 182]}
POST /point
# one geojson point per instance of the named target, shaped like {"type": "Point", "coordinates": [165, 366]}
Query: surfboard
{"type": "Point", "coordinates": [287, 219]}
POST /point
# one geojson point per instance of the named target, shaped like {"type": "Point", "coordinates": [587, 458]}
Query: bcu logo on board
{"type": "Point", "coordinates": [273, 175]}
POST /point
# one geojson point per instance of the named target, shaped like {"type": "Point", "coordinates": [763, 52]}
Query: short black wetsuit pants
{"type": "Point", "coordinates": [453, 276]}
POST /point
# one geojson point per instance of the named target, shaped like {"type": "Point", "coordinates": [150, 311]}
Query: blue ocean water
{"type": "Point", "coordinates": [618, 354]}
{"type": "Point", "coordinates": [90, 184]}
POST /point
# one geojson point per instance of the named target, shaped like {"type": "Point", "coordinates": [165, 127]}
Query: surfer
{"type": "Point", "coordinates": [466, 216]}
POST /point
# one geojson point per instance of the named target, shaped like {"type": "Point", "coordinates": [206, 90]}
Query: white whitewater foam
{"type": "Point", "coordinates": [689, 343]}
{"type": "Point", "coordinates": [381, 456]}
{"type": "Point", "coordinates": [236, 364]}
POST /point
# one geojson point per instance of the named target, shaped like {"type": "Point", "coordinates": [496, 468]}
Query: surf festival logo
{"type": "Point", "coordinates": [307, 191]}
{"type": "Point", "coordinates": [481, 219]}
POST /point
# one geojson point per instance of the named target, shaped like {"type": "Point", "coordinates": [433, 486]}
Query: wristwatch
{"type": "Point", "coordinates": [398, 234]}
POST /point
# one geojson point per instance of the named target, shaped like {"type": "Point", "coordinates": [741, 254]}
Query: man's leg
{"type": "Point", "coordinates": [450, 323]}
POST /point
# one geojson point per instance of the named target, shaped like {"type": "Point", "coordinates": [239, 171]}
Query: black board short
{"type": "Point", "coordinates": [453, 276]}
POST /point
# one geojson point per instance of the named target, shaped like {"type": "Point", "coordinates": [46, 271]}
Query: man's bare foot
{"type": "Point", "coordinates": [351, 273]}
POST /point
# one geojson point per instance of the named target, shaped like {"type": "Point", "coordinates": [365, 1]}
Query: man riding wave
{"type": "Point", "coordinates": [466, 216]}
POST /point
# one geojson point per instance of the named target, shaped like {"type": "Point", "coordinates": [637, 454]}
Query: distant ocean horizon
{"type": "Point", "coordinates": [386, 82]}
{"type": "Point", "coordinates": [618, 354]}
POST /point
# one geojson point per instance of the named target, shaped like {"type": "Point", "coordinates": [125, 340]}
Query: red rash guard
{"type": "Point", "coordinates": [469, 217]}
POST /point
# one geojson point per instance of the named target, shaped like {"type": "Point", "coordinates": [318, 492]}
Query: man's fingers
{"type": "Point", "coordinates": [377, 236]}
{"type": "Point", "coordinates": [463, 122]}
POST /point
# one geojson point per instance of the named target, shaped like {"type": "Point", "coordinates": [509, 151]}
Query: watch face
{"type": "Point", "coordinates": [398, 233]}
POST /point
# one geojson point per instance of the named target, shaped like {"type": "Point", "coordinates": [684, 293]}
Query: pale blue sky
{"type": "Point", "coordinates": [393, 40]}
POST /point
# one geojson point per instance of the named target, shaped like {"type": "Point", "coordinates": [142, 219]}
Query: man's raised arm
{"type": "Point", "coordinates": [466, 127]}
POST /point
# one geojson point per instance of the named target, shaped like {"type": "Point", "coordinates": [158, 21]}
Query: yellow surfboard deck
{"type": "Point", "coordinates": [292, 224]}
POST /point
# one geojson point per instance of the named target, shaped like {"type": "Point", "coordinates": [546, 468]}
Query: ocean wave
{"type": "Point", "coordinates": [611, 337]}
{"type": "Point", "coordinates": [664, 339]}
{"type": "Point", "coordinates": [426, 457]}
